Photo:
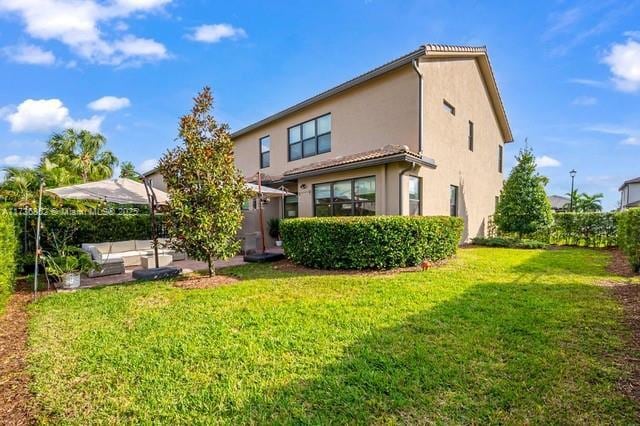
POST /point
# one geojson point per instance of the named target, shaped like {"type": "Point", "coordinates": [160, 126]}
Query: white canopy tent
{"type": "Point", "coordinates": [118, 191]}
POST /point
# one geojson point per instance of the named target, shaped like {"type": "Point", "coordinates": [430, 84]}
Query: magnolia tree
{"type": "Point", "coordinates": [523, 207]}
{"type": "Point", "coordinates": [206, 190]}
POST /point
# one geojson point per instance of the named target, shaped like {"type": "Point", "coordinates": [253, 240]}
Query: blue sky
{"type": "Point", "coordinates": [569, 72]}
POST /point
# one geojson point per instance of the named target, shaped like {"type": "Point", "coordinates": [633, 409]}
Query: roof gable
{"type": "Point", "coordinates": [432, 51]}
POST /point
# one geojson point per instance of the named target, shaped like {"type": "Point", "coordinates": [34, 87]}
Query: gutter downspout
{"type": "Point", "coordinates": [400, 176]}
{"type": "Point", "coordinates": [420, 104]}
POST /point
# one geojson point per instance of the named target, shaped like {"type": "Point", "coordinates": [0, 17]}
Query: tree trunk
{"type": "Point", "coordinates": [212, 268]}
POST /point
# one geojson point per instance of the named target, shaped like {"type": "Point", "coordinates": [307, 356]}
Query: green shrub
{"type": "Point", "coordinates": [8, 246]}
{"type": "Point", "coordinates": [75, 229]}
{"type": "Point", "coordinates": [589, 229]}
{"type": "Point", "coordinates": [629, 236]}
{"type": "Point", "coordinates": [508, 242]}
{"type": "Point", "coordinates": [374, 242]}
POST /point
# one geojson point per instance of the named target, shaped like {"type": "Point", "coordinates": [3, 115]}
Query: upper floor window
{"type": "Point", "coordinates": [265, 152]}
{"type": "Point", "coordinates": [352, 197]}
{"type": "Point", "coordinates": [448, 107]}
{"type": "Point", "coordinates": [290, 206]}
{"type": "Point", "coordinates": [310, 138]}
{"type": "Point", "coordinates": [415, 197]}
{"type": "Point", "coordinates": [500, 158]}
{"type": "Point", "coordinates": [470, 135]}
{"type": "Point", "coordinates": [453, 200]}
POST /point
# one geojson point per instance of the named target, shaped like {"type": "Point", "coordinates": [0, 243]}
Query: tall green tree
{"type": "Point", "coordinates": [523, 207]}
{"type": "Point", "coordinates": [20, 186]}
{"type": "Point", "coordinates": [81, 152]}
{"type": "Point", "coordinates": [128, 171]}
{"type": "Point", "coordinates": [205, 188]}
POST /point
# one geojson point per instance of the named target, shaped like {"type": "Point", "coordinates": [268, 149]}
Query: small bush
{"type": "Point", "coordinates": [374, 242]}
{"type": "Point", "coordinates": [8, 246]}
{"type": "Point", "coordinates": [629, 236]}
{"type": "Point", "coordinates": [508, 242]}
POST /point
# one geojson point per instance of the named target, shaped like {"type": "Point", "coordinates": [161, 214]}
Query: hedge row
{"type": "Point", "coordinates": [593, 229]}
{"type": "Point", "coordinates": [8, 246]}
{"type": "Point", "coordinates": [629, 236]}
{"type": "Point", "coordinates": [374, 242]}
{"type": "Point", "coordinates": [77, 229]}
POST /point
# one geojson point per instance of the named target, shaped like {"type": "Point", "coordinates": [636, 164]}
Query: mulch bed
{"type": "Point", "coordinates": [191, 282]}
{"type": "Point", "coordinates": [628, 295]}
{"type": "Point", "coordinates": [16, 401]}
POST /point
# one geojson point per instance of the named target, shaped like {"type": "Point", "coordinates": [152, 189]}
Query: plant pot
{"type": "Point", "coordinates": [70, 280]}
{"type": "Point", "coordinates": [278, 243]}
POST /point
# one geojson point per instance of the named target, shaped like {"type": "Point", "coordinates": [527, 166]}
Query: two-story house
{"type": "Point", "coordinates": [421, 135]}
{"type": "Point", "coordinates": [630, 194]}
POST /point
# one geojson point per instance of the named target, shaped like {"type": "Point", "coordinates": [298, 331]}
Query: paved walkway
{"type": "Point", "coordinates": [187, 266]}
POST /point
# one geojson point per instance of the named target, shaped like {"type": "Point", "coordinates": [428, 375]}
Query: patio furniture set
{"type": "Point", "coordinates": [114, 257]}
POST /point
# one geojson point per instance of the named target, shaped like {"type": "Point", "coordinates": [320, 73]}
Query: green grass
{"type": "Point", "coordinates": [495, 336]}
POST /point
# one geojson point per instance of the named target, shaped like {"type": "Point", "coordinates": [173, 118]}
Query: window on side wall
{"type": "Point", "coordinates": [500, 158]}
{"type": "Point", "coordinates": [290, 206]}
{"type": "Point", "coordinates": [265, 152]}
{"type": "Point", "coordinates": [453, 200]}
{"type": "Point", "coordinates": [310, 138]}
{"type": "Point", "coordinates": [351, 197]}
{"type": "Point", "coordinates": [470, 135]}
{"type": "Point", "coordinates": [415, 195]}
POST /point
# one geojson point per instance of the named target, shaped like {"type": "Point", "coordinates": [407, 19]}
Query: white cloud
{"type": "Point", "coordinates": [109, 103]}
{"type": "Point", "coordinates": [76, 23]}
{"type": "Point", "coordinates": [147, 165]}
{"type": "Point", "coordinates": [588, 82]}
{"type": "Point", "coordinates": [215, 32]}
{"type": "Point", "coordinates": [584, 101]}
{"type": "Point", "coordinates": [19, 161]}
{"type": "Point", "coordinates": [624, 64]}
{"type": "Point", "coordinates": [44, 115]}
{"type": "Point", "coordinates": [29, 54]}
{"type": "Point", "coordinates": [546, 161]}
{"type": "Point", "coordinates": [630, 136]}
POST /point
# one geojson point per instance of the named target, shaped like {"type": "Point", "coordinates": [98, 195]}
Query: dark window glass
{"type": "Point", "coordinates": [291, 206]}
{"type": "Point", "coordinates": [295, 151]}
{"type": "Point", "coordinates": [346, 197]}
{"type": "Point", "coordinates": [500, 158]}
{"type": "Point", "coordinates": [310, 138]}
{"type": "Point", "coordinates": [265, 152]}
{"type": "Point", "coordinates": [415, 187]}
{"type": "Point", "coordinates": [453, 200]}
{"type": "Point", "coordinates": [470, 135]}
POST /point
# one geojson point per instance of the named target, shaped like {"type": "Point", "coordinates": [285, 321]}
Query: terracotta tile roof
{"type": "Point", "coordinates": [627, 182]}
{"type": "Point", "coordinates": [265, 178]}
{"type": "Point", "coordinates": [386, 151]}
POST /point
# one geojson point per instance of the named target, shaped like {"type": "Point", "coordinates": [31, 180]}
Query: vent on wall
{"type": "Point", "coordinates": [448, 107]}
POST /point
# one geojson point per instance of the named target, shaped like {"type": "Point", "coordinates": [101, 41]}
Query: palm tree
{"type": "Point", "coordinates": [128, 170]}
{"type": "Point", "coordinates": [20, 186]}
{"type": "Point", "coordinates": [82, 153]}
{"type": "Point", "coordinates": [590, 203]}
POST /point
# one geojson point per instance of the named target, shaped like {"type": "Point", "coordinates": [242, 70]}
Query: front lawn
{"type": "Point", "coordinates": [495, 336]}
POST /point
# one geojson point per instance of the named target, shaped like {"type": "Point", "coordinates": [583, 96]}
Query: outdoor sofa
{"type": "Point", "coordinates": [114, 257]}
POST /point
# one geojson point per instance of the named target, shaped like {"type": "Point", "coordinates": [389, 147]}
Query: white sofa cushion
{"type": "Point", "coordinates": [144, 244]}
{"type": "Point", "coordinates": [122, 246]}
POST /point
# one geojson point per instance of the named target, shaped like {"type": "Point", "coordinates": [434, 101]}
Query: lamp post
{"type": "Point", "coordinates": [572, 173]}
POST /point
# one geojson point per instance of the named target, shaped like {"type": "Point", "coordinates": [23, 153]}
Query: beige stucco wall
{"type": "Point", "coordinates": [379, 112]}
{"type": "Point", "coordinates": [459, 81]}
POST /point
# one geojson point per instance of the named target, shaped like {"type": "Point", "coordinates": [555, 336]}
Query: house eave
{"type": "Point", "coordinates": [403, 157]}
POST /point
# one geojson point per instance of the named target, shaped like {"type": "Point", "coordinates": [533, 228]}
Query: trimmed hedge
{"type": "Point", "coordinates": [8, 246]}
{"type": "Point", "coordinates": [373, 242]}
{"type": "Point", "coordinates": [76, 229]}
{"type": "Point", "coordinates": [629, 236]}
{"type": "Point", "coordinates": [593, 229]}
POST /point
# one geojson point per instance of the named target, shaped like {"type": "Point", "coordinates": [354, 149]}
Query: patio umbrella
{"type": "Point", "coordinates": [265, 190]}
{"type": "Point", "coordinates": [118, 191]}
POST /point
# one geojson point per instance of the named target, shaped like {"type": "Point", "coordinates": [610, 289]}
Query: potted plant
{"type": "Point", "coordinates": [67, 265]}
{"type": "Point", "coordinates": [274, 230]}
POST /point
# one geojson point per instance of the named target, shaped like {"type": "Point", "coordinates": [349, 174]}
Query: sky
{"type": "Point", "coordinates": [568, 71]}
